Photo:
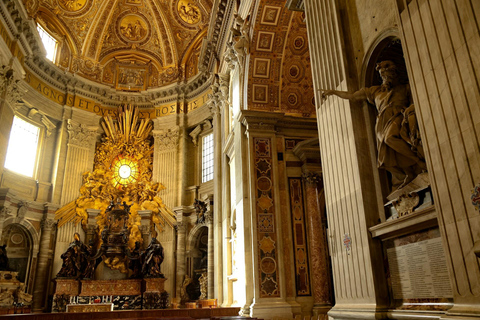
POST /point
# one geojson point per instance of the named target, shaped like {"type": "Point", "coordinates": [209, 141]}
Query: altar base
{"type": "Point", "coordinates": [128, 294]}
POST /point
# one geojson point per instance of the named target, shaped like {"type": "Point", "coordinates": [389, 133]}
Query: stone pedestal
{"type": "Point", "coordinates": [64, 289]}
{"type": "Point", "coordinates": [155, 296]}
{"type": "Point", "coordinates": [154, 284]}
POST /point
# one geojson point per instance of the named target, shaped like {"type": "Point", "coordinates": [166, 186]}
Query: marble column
{"type": "Point", "coordinates": [181, 239]}
{"type": "Point", "coordinates": [218, 102]}
{"type": "Point", "coordinates": [318, 247]}
{"type": "Point", "coordinates": [44, 255]}
{"type": "Point", "coordinates": [440, 41]}
{"type": "Point", "coordinates": [348, 170]}
{"type": "Point", "coordinates": [211, 257]}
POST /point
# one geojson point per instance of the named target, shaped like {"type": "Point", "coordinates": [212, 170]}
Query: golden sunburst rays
{"type": "Point", "coordinates": [122, 171]}
{"type": "Point", "coordinates": [127, 127]}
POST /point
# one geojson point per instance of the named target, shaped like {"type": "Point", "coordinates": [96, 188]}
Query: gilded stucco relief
{"type": "Point", "coordinates": [279, 77]}
{"type": "Point", "coordinates": [130, 45]}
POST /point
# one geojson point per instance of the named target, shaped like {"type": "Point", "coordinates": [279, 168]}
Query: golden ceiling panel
{"type": "Point", "coordinates": [187, 11]}
{"type": "Point", "coordinates": [77, 7]}
{"type": "Point", "coordinates": [160, 40]}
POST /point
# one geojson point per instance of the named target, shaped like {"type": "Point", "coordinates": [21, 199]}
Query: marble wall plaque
{"type": "Point", "coordinates": [419, 270]}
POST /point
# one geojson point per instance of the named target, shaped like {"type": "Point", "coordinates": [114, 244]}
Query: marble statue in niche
{"type": "Point", "coordinates": [399, 145]}
{"type": "Point", "coordinates": [203, 280]}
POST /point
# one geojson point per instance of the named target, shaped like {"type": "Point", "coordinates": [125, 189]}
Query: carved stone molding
{"type": "Point", "coordinates": [4, 212]}
{"type": "Point", "coordinates": [181, 227]}
{"type": "Point", "coordinates": [194, 134]}
{"type": "Point", "coordinates": [167, 139]}
{"type": "Point", "coordinates": [405, 203]}
{"type": "Point", "coordinates": [49, 125]}
{"type": "Point", "coordinates": [230, 57]}
{"type": "Point", "coordinates": [206, 125]}
{"type": "Point", "coordinates": [81, 134]}
{"type": "Point", "coordinates": [218, 99]}
{"type": "Point", "coordinates": [208, 217]}
{"type": "Point", "coordinates": [9, 86]}
{"type": "Point", "coordinates": [241, 38]}
{"type": "Point", "coordinates": [22, 209]}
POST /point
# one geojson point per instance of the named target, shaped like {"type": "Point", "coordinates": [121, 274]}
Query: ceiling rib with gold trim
{"type": "Point", "coordinates": [130, 45]}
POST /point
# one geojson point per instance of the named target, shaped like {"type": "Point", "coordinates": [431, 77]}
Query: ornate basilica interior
{"type": "Point", "coordinates": [306, 159]}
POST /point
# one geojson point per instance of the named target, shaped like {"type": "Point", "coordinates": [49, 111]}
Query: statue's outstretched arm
{"type": "Point", "coordinates": [354, 96]}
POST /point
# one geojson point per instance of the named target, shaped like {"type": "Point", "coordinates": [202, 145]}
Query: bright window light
{"type": "Point", "coordinates": [207, 158]}
{"type": "Point", "coordinates": [49, 43]}
{"type": "Point", "coordinates": [22, 147]}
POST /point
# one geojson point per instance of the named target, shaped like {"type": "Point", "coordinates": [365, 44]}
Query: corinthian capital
{"type": "Point", "coordinates": [80, 134]}
{"type": "Point", "coordinates": [47, 224]}
{"type": "Point", "coordinates": [166, 139]}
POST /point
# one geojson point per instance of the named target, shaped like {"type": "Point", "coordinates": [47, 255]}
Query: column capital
{"type": "Point", "coordinates": [168, 139]}
{"type": "Point", "coordinates": [47, 224]}
{"type": "Point", "coordinates": [312, 178]}
{"type": "Point", "coordinates": [80, 134]}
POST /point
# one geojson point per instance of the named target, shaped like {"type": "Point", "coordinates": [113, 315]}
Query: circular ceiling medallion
{"type": "Point", "coordinates": [189, 12]}
{"type": "Point", "coordinates": [72, 5]}
{"type": "Point", "coordinates": [133, 28]}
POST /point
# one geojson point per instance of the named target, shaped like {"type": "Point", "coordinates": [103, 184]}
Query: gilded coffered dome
{"type": "Point", "coordinates": [130, 45]}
